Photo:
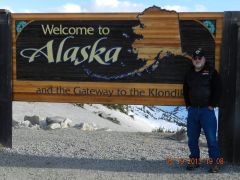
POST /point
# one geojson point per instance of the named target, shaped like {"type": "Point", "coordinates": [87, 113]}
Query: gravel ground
{"type": "Point", "coordinates": [75, 154]}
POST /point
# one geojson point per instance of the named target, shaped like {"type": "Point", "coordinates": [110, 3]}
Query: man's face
{"type": "Point", "coordinates": [198, 61]}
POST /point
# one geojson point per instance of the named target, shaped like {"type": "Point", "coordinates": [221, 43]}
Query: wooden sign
{"type": "Point", "coordinates": [123, 58]}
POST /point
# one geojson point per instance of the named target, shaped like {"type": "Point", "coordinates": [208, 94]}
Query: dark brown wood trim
{"type": "Point", "coordinates": [229, 106]}
{"type": "Point", "coordinates": [5, 79]}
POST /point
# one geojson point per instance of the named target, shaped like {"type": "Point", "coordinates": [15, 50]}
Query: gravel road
{"type": "Point", "coordinates": [74, 154]}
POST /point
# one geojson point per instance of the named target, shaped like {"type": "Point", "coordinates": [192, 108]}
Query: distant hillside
{"type": "Point", "coordinates": [167, 117]}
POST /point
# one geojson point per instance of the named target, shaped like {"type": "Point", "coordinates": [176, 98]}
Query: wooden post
{"type": "Point", "coordinates": [5, 79]}
{"type": "Point", "coordinates": [229, 112]}
{"type": "Point", "coordinates": [236, 139]}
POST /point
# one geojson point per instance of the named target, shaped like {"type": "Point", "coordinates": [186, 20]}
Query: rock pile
{"type": "Point", "coordinates": [49, 123]}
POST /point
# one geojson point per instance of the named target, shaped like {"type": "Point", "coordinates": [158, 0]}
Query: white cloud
{"type": "Point", "coordinates": [116, 6]}
{"type": "Point", "coordinates": [177, 8]}
{"type": "Point", "coordinates": [107, 3]}
{"type": "Point", "coordinates": [200, 8]}
{"type": "Point", "coordinates": [67, 8]}
{"type": "Point", "coordinates": [70, 8]}
{"type": "Point", "coordinates": [27, 11]}
{"type": "Point", "coordinates": [30, 11]}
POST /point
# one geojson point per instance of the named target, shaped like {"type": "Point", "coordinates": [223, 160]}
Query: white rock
{"type": "Point", "coordinates": [66, 123]}
{"type": "Point", "coordinates": [36, 126]}
{"type": "Point", "coordinates": [54, 126]}
{"type": "Point", "coordinates": [25, 124]}
{"type": "Point", "coordinates": [88, 126]}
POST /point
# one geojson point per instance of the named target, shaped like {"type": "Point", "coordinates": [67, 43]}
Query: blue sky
{"type": "Point", "coordinates": [45, 6]}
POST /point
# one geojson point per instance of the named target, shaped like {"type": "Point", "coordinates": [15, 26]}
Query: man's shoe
{"type": "Point", "coordinates": [214, 168]}
{"type": "Point", "coordinates": [192, 166]}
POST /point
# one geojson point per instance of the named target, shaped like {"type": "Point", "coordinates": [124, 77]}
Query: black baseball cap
{"type": "Point", "coordinates": [198, 52]}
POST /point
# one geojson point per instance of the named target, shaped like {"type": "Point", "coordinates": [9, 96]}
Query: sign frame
{"type": "Point", "coordinates": [26, 90]}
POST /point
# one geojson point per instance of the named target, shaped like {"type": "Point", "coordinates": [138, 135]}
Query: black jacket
{"type": "Point", "coordinates": [202, 89]}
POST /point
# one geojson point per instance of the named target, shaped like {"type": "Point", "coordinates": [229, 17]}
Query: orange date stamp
{"type": "Point", "coordinates": [181, 161]}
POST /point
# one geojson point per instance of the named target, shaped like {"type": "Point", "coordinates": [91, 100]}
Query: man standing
{"type": "Point", "coordinates": [201, 90]}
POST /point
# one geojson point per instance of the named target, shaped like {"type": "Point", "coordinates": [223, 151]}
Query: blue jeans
{"type": "Point", "coordinates": [202, 117]}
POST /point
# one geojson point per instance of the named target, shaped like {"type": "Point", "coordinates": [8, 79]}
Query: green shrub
{"type": "Point", "coordinates": [120, 107]}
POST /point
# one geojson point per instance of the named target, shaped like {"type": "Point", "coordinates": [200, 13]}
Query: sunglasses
{"type": "Point", "coordinates": [197, 58]}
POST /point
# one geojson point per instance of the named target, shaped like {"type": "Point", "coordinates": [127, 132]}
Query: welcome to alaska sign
{"type": "Point", "coordinates": [125, 58]}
